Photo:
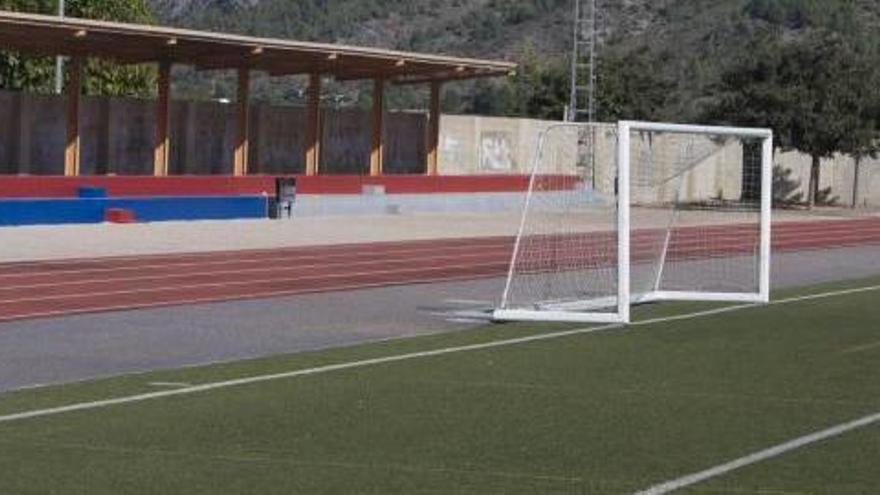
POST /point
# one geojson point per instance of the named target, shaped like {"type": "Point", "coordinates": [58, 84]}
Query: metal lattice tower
{"type": "Point", "coordinates": [582, 103]}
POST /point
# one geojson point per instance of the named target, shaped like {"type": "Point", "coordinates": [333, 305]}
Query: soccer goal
{"type": "Point", "coordinates": [639, 212]}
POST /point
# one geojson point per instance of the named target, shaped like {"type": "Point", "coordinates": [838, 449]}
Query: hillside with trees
{"type": "Point", "coordinates": [659, 59]}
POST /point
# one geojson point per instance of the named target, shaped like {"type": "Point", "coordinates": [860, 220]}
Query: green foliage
{"type": "Point", "coordinates": [630, 87]}
{"type": "Point", "coordinates": [659, 60]}
{"type": "Point", "coordinates": [798, 14]}
{"type": "Point", "coordinates": [538, 90]}
{"type": "Point", "coordinates": [817, 91]}
{"type": "Point", "coordinates": [27, 73]}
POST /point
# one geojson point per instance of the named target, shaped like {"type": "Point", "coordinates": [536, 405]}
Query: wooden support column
{"type": "Point", "coordinates": [240, 156]}
{"type": "Point", "coordinates": [74, 90]}
{"type": "Point", "coordinates": [377, 150]}
{"type": "Point", "coordinates": [434, 129]}
{"type": "Point", "coordinates": [163, 109]}
{"type": "Point", "coordinates": [313, 125]}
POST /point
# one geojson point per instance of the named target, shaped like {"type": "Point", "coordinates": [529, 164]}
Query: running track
{"type": "Point", "coordinates": [57, 288]}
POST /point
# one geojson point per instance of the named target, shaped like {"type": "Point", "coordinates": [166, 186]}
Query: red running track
{"type": "Point", "coordinates": [56, 288]}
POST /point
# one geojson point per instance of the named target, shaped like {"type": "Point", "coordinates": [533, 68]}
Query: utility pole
{"type": "Point", "coordinates": [59, 60]}
{"type": "Point", "coordinates": [582, 100]}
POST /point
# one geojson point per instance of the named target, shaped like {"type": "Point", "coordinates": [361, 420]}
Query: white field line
{"type": "Point", "coordinates": [464, 320]}
{"type": "Point", "coordinates": [862, 348]}
{"type": "Point", "coordinates": [99, 404]}
{"type": "Point", "coordinates": [469, 302]}
{"type": "Point", "coordinates": [170, 384]}
{"type": "Point", "coordinates": [761, 456]}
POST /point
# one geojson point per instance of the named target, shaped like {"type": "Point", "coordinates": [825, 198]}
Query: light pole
{"type": "Point", "coordinates": [582, 100]}
{"type": "Point", "coordinates": [59, 60]}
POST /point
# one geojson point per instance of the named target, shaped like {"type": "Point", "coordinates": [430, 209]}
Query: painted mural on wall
{"type": "Point", "coordinates": [496, 152]}
{"type": "Point", "coordinates": [452, 150]}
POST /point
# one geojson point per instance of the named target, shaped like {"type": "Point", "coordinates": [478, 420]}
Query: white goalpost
{"type": "Point", "coordinates": [641, 212]}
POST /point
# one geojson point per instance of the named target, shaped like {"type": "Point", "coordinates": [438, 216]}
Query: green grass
{"type": "Point", "coordinates": [608, 412]}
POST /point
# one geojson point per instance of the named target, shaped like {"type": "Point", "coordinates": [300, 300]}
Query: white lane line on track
{"type": "Point", "coordinates": [341, 257]}
{"type": "Point", "coordinates": [206, 285]}
{"type": "Point", "coordinates": [416, 245]}
{"type": "Point", "coordinates": [486, 256]}
{"type": "Point", "coordinates": [841, 239]}
{"type": "Point", "coordinates": [228, 283]}
{"type": "Point", "coordinates": [334, 249]}
{"type": "Point", "coordinates": [238, 297]}
{"type": "Point", "coordinates": [502, 253]}
{"type": "Point", "coordinates": [99, 404]}
{"type": "Point", "coordinates": [761, 456]}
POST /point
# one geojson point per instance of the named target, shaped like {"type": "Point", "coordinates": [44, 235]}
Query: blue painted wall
{"type": "Point", "coordinates": [151, 209]}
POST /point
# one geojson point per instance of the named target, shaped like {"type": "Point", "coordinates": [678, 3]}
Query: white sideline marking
{"type": "Point", "coordinates": [862, 348]}
{"type": "Point", "coordinates": [82, 406]}
{"type": "Point", "coordinates": [170, 384]}
{"type": "Point", "coordinates": [461, 319]}
{"type": "Point", "coordinates": [760, 456]}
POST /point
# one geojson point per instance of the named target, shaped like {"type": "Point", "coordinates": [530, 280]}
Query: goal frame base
{"type": "Point", "coordinates": [511, 315]}
{"type": "Point", "coordinates": [570, 316]}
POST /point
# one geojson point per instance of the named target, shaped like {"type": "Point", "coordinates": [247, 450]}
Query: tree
{"type": "Point", "coordinates": [839, 15]}
{"type": "Point", "coordinates": [867, 142]}
{"type": "Point", "coordinates": [538, 90]}
{"type": "Point", "coordinates": [811, 89]}
{"type": "Point", "coordinates": [25, 73]}
{"type": "Point", "coordinates": [631, 86]}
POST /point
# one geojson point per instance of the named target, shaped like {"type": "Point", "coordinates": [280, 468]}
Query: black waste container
{"type": "Point", "coordinates": [285, 195]}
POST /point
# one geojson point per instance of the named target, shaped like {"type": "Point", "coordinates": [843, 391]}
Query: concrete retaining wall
{"type": "Point", "coordinates": [479, 145]}
{"type": "Point", "coordinates": [837, 179]}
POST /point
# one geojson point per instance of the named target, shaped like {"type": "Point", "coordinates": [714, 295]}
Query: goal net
{"type": "Point", "coordinates": [617, 215]}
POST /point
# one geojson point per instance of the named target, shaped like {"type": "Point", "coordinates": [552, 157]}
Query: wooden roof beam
{"type": "Point", "coordinates": [397, 69]}
{"type": "Point", "coordinates": [450, 76]}
{"type": "Point", "coordinates": [142, 43]}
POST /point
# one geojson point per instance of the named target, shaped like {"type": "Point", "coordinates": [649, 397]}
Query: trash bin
{"type": "Point", "coordinates": [285, 195]}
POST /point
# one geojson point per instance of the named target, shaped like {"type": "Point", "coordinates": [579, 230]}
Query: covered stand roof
{"type": "Point", "coordinates": [133, 43]}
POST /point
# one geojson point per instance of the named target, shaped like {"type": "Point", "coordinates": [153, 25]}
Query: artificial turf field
{"type": "Point", "coordinates": [611, 411]}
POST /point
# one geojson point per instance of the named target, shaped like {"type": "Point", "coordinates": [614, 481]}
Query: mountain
{"type": "Point", "coordinates": [670, 50]}
{"type": "Point", "coordinates": [488, 28]}
{"type": "Point", "coordinates": [494, 28]}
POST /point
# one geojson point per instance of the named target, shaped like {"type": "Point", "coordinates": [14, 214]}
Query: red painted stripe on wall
{"type": "Point", "coordinates": [420, 184]}
{"type": "Point", "coordinates": [66, 187]}
{"type": "Point", "coordinates": [117, 186]}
